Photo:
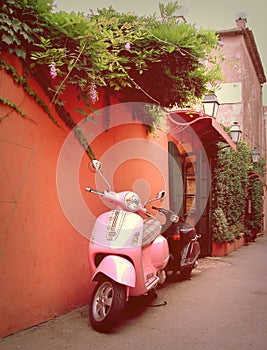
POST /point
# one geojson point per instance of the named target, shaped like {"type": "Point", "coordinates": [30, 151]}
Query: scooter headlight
{"type": "Point", "coordinates": [132, 201]}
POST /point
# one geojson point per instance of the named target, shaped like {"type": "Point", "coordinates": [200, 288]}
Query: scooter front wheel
{"type": "Point", "coordinates": [107, 304]}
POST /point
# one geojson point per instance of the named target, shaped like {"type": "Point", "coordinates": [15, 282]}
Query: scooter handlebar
{"type": "Point", "coordinates": [170, 215]}
{"type": "Point", "coordinates": [88, 189]}
{"type": "Point", "coordinates": [161, 210]}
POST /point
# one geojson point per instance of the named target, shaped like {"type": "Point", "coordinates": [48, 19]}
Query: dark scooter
{"type": "Point", "coordinates": [183, 243]}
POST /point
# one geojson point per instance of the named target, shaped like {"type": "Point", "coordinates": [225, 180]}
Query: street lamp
{"type": "Point", "coordinates": [210, 105]}
{"type": "Point", "coordinates": [255, 155]}
{"type": "Point", "coordinates": [235, 132]}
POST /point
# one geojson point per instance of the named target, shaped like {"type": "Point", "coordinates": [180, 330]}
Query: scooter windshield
{"type": "Point", "coordinates": [118, 229]}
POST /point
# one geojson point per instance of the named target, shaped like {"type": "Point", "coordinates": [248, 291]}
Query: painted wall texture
{"type": "Point", "coordinates": [43, 258]}
{"type": "Point", "coordinates": [43, 262]}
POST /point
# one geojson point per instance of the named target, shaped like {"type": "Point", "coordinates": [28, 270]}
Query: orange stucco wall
{"type": "Point", "coordinates": [43, 258]}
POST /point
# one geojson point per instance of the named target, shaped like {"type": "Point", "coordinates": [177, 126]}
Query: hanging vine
{"type": "Point", "coordinates": [111, 51]}
{"type": "Point", "coordinates": [23, 82]}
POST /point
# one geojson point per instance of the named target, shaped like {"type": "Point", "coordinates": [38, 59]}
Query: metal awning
{"type": "Point", "coordinates": [206, 128]}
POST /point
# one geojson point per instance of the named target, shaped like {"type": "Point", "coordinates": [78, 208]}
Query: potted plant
{"type": "Point", "coordinates": [221, 233]}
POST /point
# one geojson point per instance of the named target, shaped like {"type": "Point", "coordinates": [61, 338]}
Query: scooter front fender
{"type": "Point", "coordinates": [118, 269]}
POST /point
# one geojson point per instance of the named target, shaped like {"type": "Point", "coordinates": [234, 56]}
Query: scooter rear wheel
{"type": "Point", "coordinates": [107, 304]}
{"type": "Point", "coordinates": [186, 273]}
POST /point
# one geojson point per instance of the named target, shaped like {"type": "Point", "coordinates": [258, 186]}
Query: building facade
{"type": "Point", "coordinates": [240, 96]}
{"type": "Point", "coordinates": [241, 93]}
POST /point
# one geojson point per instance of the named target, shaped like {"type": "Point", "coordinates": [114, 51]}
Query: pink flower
{"type": "Point", "coordinates": [93, 92]}
{"type": "Point", "coordinates": [127, 46]}
{"type": "Point", "coordinates": [165, 17]}
{"type": "Point", "coordinates": [53, 70]}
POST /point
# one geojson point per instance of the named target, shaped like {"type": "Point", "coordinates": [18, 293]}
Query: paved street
{"type": "Point", "coordinates": [222, 307]}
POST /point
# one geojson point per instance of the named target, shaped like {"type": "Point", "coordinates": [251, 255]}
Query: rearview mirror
{"type": "Point", "coordinates": [161, 195]}
{"type": "Point", "coordinates": [95, 165]}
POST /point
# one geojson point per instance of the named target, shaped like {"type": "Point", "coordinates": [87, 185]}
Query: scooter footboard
{"type": "Point", "coordinates": [118, 269]}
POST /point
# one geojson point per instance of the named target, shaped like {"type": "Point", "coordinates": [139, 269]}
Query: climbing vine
{"type": "Point", "coordinates": [232, 189]}
{"type": "Point", "coordinates": [23, 82]}
{"type": "Point", "coordinates": [13, 106]}
{"type": "Point", "coordinates": [256, 192]}
{"type": "Point", "coordinates": [135, 58]}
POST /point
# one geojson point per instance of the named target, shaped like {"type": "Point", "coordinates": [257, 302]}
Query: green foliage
{"type": "Point", "coordinates": [231, 182]}
{"type": "Point", "coordinates": [256, 189]}
{"type": "Point", "coordinates": [168, 10]}
{"type": "Point", "coordinates": [109, 49]}
{"type": "Point", "coordinates": [20, 25]}
{"type": "Point", "coordinates": [236, 230]}
{"type": "Point", "coordinates": [221, 232]}
{"type": "Point", "coordinates": [13, 106]}
{"type": "Point", "coordinates": [154, 61]}
{"type": "Point", "coordinates": [232, 187]}
{"type": "Point", "coordinates": [155, 118]}
{"type": "Point", "coordinates": [23, 82]}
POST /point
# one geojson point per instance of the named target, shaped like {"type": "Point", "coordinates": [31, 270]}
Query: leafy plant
{"type": "Point", "coordinates": [134, 58]}
{"type": "Point", "coordinates": [256, 190]}
{"type": "Point", "coordinates": [13, 106]}
{"type": "Point", "coordinates": [155, 118]}
{"type": "Point", "coordinates": [21, 24]}
{"type": "Point", "coordinates": [23, 82]}
{"type": "Point", "coordinates": [123, 51]}
{"type": "Point", "coordinates": [168, 10]}
{"type": "Point", "coordinates": [230, 182]}
{"type": "Point", "coordinates": [232, 187]}
{"type": "Point", "coordinates": [221, 232]}
{"type": "Point", "coordinates": [237, 230]}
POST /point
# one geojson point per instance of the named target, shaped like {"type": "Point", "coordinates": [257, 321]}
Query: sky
{"type": "Point", "coordinates": [208, 14]}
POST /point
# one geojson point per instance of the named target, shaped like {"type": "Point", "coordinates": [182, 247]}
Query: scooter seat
{"type": "Point", "coordinates": [151, 230]}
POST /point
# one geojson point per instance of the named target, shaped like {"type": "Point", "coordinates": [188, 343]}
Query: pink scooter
{"type": "Point", "coordinates": [127, 254]}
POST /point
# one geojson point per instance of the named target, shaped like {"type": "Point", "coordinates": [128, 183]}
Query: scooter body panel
{"type": "Point", "coordinates": [157, 253]}
{"type": "Point", "coordinates": [117, 229]}
{"type": "Point", "coordinates": [115, 249]}
{"type": "Point", "coordinates": [153, 259]}
{"type": "Point", "coordinates": [117, 268]}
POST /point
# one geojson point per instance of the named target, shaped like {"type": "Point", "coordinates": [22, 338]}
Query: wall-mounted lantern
{"type": "Point", "coordinates": [255, 155]}
{"type": "Point", "coordinates": [210, 105]}
{"type": "Point", "coordinates": [235, 132]}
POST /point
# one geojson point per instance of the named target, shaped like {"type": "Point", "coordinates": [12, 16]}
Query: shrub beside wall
{"type": "Point", "coordinates": [236, 195]}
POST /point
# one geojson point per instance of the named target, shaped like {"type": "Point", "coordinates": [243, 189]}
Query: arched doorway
{"type": "Point", "coordinates": [189, 190]}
